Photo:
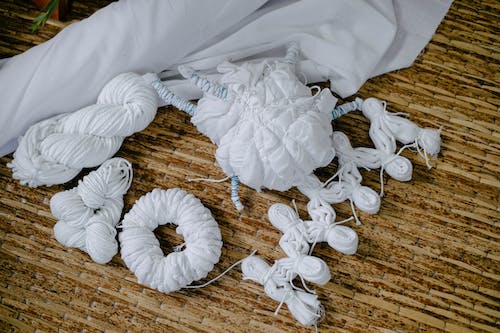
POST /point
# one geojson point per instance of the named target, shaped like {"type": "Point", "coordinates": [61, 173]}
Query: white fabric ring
{"type": "Point", "coordinates": [140, 249]}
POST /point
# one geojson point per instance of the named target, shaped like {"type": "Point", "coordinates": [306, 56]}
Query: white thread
{"type": "Point", "coordinates": [55, 150]}
{"type": "Point", "coordinates": [221, 274]}
{"type": "Point", "coordinates": [88, 213]}
{"type": "Point", "coordinates": [140, 249]}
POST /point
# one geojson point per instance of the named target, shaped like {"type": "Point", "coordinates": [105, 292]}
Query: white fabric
{"type": "Point", "coordinates": [270, 131]}
{"type": "Point", "coordinates": [344, 41]}
{"type": "Point", "coordinates": [140, 249]}
{"type": "Point", "coordinates": [87, 214]}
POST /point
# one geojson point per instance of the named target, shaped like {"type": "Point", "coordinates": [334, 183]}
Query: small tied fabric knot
{"type": "Point", "coordinates": [320, 198]}
{"type": "Point", "coordinates": [397, 166]}
{"type": "Point", "coordinates": [429, 140]}
{"type": "Point", "coordinates": [305, 307]}
{"type": "Point", "coordinates": [294, 240]}
{"type": "Point", "coordinates": [387, 127]}
{"type": "Point", "coordinates": [361, 157]}
{"type": "Point", "coordinates": [342, 238]}
{"type": "Point", "coordinates": [55, 150]}
{"type": "Point", "coordinates": [320, 210]}
{"type": "Point", "coordinates": [359, 196]}
{"type": "Point", "coordinates": [338, 237]}
{"type": "Point", "coordinates": [308, 267]}
{"type": "Point", "coordinates": [298, 234]}
{"type": "Point", "coordinates": [87, 215]}
{"type": "Point", "coordinates": [366, 199]}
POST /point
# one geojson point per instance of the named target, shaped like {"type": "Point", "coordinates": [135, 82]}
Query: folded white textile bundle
{"type": "Point", "coordinates": [344, 41]}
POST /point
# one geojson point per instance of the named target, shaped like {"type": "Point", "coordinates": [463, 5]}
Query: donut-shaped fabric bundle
{"type": "Point", "coordinates": [140, 249]}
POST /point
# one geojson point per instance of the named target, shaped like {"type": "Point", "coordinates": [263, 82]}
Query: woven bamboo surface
{"type": "Point", "coordinates": [428, 262]}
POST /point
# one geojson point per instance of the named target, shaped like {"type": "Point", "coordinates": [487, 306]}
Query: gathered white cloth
{"type": "Point", "coordinates": [269, 129]}
{"type": "Point", "coordinates": [341, 40]}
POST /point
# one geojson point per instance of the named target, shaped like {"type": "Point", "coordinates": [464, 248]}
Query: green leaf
{"type": "Point", "coordinates": [44, 15]}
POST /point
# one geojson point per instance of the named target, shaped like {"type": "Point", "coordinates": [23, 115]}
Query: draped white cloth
{"type": "Point", "coordinates": [344, 41]}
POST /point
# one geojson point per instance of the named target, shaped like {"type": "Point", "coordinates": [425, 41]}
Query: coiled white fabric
{"type": "Point", "coordinates": [398, 167]}
{"type": "Point", "coordinates": [55, 150]}
{"type": "Point", "coordinates": [299, 234]}
{"type": "Point", "coordinates": [305, 307]}
{"type": "Point", "coordinates": [140, 249]}
{"type": "Point", "coordinates": [88, 213]}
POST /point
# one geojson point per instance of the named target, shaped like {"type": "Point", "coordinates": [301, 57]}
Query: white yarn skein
{"type": "Point", "coordinates": [140, 249]}
{"type": "Point", "coordinates": [55, 150]}
{"type": "Point", "coordinates": [89, 212]}
{"type": "Point", "coordinates": [304, 306]}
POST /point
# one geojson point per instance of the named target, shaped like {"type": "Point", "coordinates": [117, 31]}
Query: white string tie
{"type": "Point", "coordinates": [221, 274]}
{"type": "Point", "coordinates": [88, 213]}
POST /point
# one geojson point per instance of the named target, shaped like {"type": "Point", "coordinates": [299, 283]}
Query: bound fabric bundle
{"type": "Point", "coordinates": [140, 249]}
{"type": "Point", "coordinates": [341, 40]}
{"type": "Point", "coordinates": [87, 214]}
{"type": "Point", "coordinates": [298, 235]}
{"type": "Point", "coordinates": [276, 279]}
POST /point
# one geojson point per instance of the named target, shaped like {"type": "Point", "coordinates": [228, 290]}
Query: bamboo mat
{"type": "Point", "coordinates": [428, 262]}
